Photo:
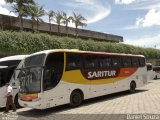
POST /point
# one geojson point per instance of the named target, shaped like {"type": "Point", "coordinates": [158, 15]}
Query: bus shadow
{"type": "Point", "coordinates": [110, 97]}
{"type": "Point", "coordinates": [2, 109]}
{"type": "Point", "coordinates": [53, 111]}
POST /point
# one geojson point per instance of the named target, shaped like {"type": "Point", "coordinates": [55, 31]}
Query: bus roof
{"type": "Point", "coordinates": [15, 57]}
{"type": "Point", "coordinates": [79, 51]}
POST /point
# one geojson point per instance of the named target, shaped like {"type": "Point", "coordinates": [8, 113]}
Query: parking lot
{"type": "Point", "coordinates": [146, 101]}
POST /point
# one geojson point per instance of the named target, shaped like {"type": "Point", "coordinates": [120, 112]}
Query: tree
{"type": "Point", "coordinates": [65, 20]}
{"type": "Point", "coordinates": [50, 14]}
{"type": "Point", "coordinates": [31, 13]}
{"type": "Point", "coordinates": [78, 20]}
{"type": "Point", "coordinates": [58, 19]}
{"type": "Point", "coordinates": [19, 7]}
{"type": "Point", "coordinates": [36, 12]}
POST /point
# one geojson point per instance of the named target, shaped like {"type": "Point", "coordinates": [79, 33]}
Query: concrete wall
{"type": "Point", "coordinates": [8, 22]}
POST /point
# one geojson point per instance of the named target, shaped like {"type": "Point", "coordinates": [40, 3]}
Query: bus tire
{"type": "Point", "coordinates": [156, 77]}
{"type": "Point", "coordinates": [16, 102]}
{"type": "Point", "coordinates": [76, 98]}
{"type": "Point", "coordinates": [132, 87]}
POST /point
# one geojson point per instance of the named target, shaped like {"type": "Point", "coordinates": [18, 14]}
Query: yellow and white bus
{"type": "Point", "coordinates": [56, 77]}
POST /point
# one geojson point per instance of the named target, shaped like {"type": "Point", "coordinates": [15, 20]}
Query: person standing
{"type": "Point", "coordinates": [9, 97]}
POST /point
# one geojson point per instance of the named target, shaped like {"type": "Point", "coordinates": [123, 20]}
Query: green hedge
{"type": "Point", "coordinates": [27, 42]}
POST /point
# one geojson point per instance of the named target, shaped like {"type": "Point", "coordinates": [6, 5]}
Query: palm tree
{"type": "Point", "coordinates": [65, 20]}
{"type": "Point", "coordinates": [9, 1]}
{"type": "Point", "coordinates": [36, 12]}
{"type": "Point", "coordinates": [50, 14]}
{"type": "Point", "coordinates": [58, 19]}
{"type": "Point", "coordinates": [31, 13]}
{"type": "Point", "coordinates": [78, 20]}
{"type": "Point", "coordinates": [21, 14]}
{"type": "Point", "coordinates": [19, 7]}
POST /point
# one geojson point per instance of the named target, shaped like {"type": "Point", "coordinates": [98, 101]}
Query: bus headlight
{"type": "Point", "coordinates": [35, 100]}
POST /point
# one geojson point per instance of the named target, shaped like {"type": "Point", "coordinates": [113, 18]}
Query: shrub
{"type": "Point", "coordinates": [26, 42]}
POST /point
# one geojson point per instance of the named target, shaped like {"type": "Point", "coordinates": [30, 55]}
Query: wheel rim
{"type": "Point", "coordinates": [132, 87]}
{"type": "Point", "coordinates": [76, 99]}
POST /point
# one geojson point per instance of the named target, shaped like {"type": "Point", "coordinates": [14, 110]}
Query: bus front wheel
{"type": "Point", "coordinates": [132, 87]}
{"type": "Point", "coordinates": [76, 98]}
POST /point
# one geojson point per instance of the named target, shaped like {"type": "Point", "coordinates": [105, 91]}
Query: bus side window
{"type": "Point", "coordinates": [73, 61]}
{"type": "Point", "coordinates": [142, 62]}
{"type": "Point", "coordinates": [53, 70]}
{"type": "Point", "coordinates": [135, 62]}
{"type": "Point", "coordinates": [10, 63]}
{"type": "Point", "coordinates": [91, 61]}
{"type": "Point", "coordinates": [126, 61]}
{"type": "Point", "coordinates": [105, 62]}
{"type": "Point", "coordinates": [116, 62]}
{"type": "Point", "coordinates": [149, 67]}
{"type": "Point", "coordinates": [7, 74]}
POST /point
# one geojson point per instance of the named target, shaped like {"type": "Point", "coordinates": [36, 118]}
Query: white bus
{"type": "Point", "coordinates": [7, 67]}
{"type": "Point", "coordinates": [156, 69]}
{"type": "Point", "coordinates": [151, 73]}
{"type": "Point", "coordinates": [56, 77]}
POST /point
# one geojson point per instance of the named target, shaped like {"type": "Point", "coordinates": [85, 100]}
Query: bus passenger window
{"type": "Point", "coordinates": [135, 62]}
{"type": "Point", "coordinates": [116, 62]}
{"type": "Point", "coordinates": [73, 61]}
{"type": "Point", "coordinates": [126, 61]}
{"type": "Point", "coordinates": [91, 61]}
{"type": "Point", "coordinates": [105, 62]}
{"type": "Point", "coordinates": [149, 66]}
{"type": "Point", "coordinates": [142, 62]}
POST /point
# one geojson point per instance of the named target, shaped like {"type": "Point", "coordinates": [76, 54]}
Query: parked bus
{"type": "Point", "coordinates": [156, 69]}
{"type": "Point", "coordinates": [150, 71]}
{"type": "Point", "coordinates": [56, 77]}
{"type": "Point", "coordinates": [7, 67]}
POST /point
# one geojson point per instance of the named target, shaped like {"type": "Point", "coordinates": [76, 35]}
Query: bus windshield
{"type": "Point", "coordinates": [30, 74]}
{"type": "Point", "coordinates": [6, 74]}
{"type": "Point", "coordinates": [36, 60]}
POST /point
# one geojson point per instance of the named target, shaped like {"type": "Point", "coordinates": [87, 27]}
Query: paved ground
{"type": "Point", "coordinates": [140, 105]}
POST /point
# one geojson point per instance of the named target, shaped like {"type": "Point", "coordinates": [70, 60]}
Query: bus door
{"type": "Point", "coordinates": [5, 76]}
{"type": "Point", "coordinates": [54, 88]}
{"type": "Point", "coordinates": [2, 89]}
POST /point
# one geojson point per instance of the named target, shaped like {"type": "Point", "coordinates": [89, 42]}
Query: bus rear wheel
{"type": "Point", "coordinates": [76, 98]}
{"type": "Point", "coordinates": [132, 87]}
{"type": "Point", "coordinates": [155, 78]}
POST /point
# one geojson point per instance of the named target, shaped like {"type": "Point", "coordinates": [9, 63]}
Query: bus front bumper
{"type": "Point", "coordinates": [31, 104]}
